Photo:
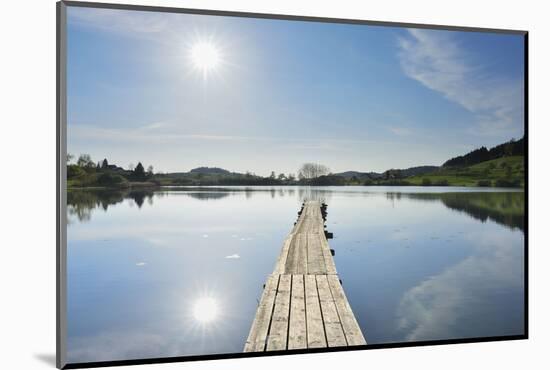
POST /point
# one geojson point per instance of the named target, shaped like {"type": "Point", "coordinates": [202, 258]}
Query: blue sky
{"type": "Point", "coordinates": [352, 97]}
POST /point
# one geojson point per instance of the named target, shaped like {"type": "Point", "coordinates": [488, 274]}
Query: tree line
{"type": "Point", "coordinates": [86, 172]}
{"type": "Point", "coordinates": [512, 147]}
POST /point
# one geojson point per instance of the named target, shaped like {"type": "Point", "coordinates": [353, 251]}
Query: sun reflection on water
{"type": "Point", "coordinates": [205, 309]}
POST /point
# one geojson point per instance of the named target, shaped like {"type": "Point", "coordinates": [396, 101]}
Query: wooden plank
{"type": "Point", "coordinates": [331, 320]}
{"type": "Point", "coordinates": [314, 321]}
{"type": "Point", "coordinates": [352, 331]}
{"type": "Point", "coordinates": [329, 261]}
{"type": "Point", "coordinates": [291, 264]}
{"type": "Point", "coordinates": [296, 262]}
{"type": "Point", "coordinates": [316, 260]}
{"type": "Point", "coordinates": [301, 246]}
{"type": "Point", "coordinates": [258, 333]}
{"type": "Point", "coordinates": [281, 260]}
{"type": "Point", "coordinates": [299, 222]}
{"type": "Point", "coordinates": [297, 334]}
{"type": "Point", "coordinates": [278, 331]}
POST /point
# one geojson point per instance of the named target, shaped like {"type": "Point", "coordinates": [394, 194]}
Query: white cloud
{"type": "Point", "coordinates": [439, 62]}
{"type": "Point", "coordinates": [139, 264]}
{"type": "Point", "coordinates": [168, 132]}
{"type": "Point", "coordinates": [439, 306]}
{"type": "Point", "coordinates": [400, 131]}
{"type": "Point", "coordinates": [159, 132]}
{"type": "Point", "coordinates": [130, 23]}
{"type": "Point", "coordinates": [233, 256]}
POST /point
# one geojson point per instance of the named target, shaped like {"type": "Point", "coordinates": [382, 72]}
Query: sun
{"type": "Point", "coordinates": [205, 56]}
{"type": "Point", "coordinates": [205, 310]}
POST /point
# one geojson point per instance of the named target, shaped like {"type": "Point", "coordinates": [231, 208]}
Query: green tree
{"type": "Point", "coordinates": [282, 177]}
{"type": "Point", "coordinates": [509, 172]}
{"type": "Point", "coordinates": [139, 172]}
{"type": "Point", "coordinates": [74, 171]}
{"type": "Point", "coordinates": [85, 161]}
{"type": "Point", "coordinates": [272, 176]}
{"type": "Point", "coordinates": [104, 164]}
{"type": "Point", "coordinates": [509, 147]}
{"type": "Point", "coordinates": [110, 179]}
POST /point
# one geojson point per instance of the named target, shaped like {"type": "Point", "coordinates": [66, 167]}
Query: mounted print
{"type": "Point", "coordinates": [236, 185]}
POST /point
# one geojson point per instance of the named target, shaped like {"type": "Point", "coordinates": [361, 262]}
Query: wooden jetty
{"type": "Point", "coordinates": [303, 304]}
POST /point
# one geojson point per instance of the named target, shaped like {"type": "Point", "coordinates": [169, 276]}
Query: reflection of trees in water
{"type": "Point", "coordinates": [394, 196]}
{"type": "Point", "coordinates": [81, 203]}
{"type": "Point", "coordinates": [204, 195]}
{"type": "Point", "coordinates": [312, 193]}
{"type": "Point", "coordinates": [504, 208]}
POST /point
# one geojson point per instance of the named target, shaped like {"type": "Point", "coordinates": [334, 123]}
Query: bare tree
{"type": "Point", "coordinates": [131, 167]}
{"type": "Point", "coordinates": [312, 170]}
{"type": "Point", "coordinates": [84, 160]}
{"type": "Point", "coordinates": [150, 170]}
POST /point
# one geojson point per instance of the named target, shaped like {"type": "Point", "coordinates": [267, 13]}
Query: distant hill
{"type": "Point", "coordinates": [401, 173]}
{"type": "Point", "coordinates": [210, 171]}
{"type": "Point", "coordinates": [359, 175]}
{"type": "Point", "coordinates": [511, 148]}
{"type": "Point", "coordinates": [507, 171]}
{"type": "Point", "coordinates": [419, 170]}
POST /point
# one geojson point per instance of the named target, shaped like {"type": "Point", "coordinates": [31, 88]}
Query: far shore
{"type": "Point", "coordinates": [154, 186]}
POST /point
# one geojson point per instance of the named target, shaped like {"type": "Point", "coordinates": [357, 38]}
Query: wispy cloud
{"type": "Point", "coordinates": [400, 131]}
{"type": "Point", "coordinates": [130, 23]}
{"type": "Point", "coordinates": [438, 61]}
{"type": "Point", "coordinates": [164, 132]}
{"type": "Point", "coordinates": [233, 256]}
{"type": "Point", "coordinates": [156, 132]}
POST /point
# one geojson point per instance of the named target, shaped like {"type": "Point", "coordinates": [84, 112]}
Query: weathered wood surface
{"type": "Point", "coordinates": [303, 304]}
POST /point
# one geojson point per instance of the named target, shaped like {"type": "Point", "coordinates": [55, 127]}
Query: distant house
{"type": "Point", "coordinates": [115, 168]}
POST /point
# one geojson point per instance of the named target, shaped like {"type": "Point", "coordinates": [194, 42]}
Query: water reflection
{"type": "Point", "coordinates": [179, 271]}
{"type": "Point", "coordinates": [505, 208]}
{"type": "Point", "coordinates": [502, 207]}
{"type": "Point", "coordinates": [205, 310]}
{"type": "Point", "coordinates": [450, 304]}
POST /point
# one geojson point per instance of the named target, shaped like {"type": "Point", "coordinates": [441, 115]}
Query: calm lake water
{"type": "Point", "coordinates": [179, 271]}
